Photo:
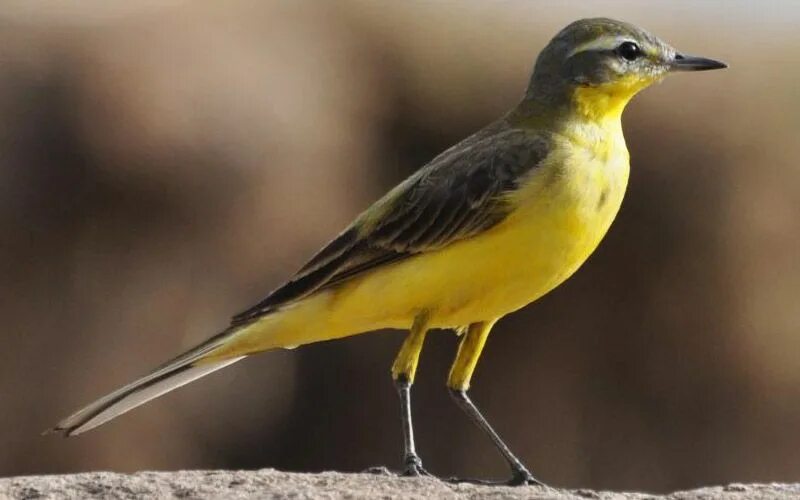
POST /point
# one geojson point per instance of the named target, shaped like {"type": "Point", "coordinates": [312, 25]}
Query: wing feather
{"type": "Point", "coordinates": [460, 194]}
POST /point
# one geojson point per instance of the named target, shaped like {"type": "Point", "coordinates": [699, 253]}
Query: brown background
{"type": "Point", "coordinates": [165, 164]}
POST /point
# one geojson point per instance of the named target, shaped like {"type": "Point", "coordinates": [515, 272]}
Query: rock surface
{"type": "Point", "coordinates": [269, 483]}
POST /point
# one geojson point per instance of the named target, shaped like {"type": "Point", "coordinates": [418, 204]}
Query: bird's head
{"type": "Point", "coordinates": [599, 64]}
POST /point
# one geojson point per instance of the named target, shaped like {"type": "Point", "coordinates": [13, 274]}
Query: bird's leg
{"type": "Point", "coordinates": [469, 350]}
{"type": "Point", "coordinates": [403, 370]}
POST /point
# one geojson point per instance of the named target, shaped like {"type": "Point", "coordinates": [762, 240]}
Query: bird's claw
{"type": "Point", "coordinates": [519, 478]}
{"type": "Point", "coordinates": [522, 477]}
{"type": "Point", "coordinates": [470, 480]}
{"type": "Point", "coordinates": [413, 467]}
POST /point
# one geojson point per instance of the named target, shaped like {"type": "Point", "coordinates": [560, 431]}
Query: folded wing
{"type": "Point", "coordinates": [460, 194]}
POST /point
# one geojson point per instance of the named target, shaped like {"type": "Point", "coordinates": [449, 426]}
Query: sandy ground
{"type": "Point", "coordinates": [269, 483]}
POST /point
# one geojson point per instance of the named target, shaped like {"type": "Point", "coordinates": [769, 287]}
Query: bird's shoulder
{"type": "Point", "coordinates": [500, 149]}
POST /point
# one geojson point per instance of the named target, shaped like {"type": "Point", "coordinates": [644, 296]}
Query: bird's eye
{"type": "Point", "coordinates": [629, 51]}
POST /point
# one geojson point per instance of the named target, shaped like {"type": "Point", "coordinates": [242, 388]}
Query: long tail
{"type": "Point", "coordinates": [303, 323]}
{"type": "Point", "coordinates": [175, 373]}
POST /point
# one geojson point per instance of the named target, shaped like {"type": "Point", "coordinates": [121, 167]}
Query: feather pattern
{"type": "Point", "coordinates": [174, 373]}
{"type": "Point", "coordinates": [459, 194]}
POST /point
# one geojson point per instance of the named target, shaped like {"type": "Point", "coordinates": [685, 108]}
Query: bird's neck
{"type": "Point", "coordinates": [590, 117]}
{"type": "Point", "coordinates": [601, 105]}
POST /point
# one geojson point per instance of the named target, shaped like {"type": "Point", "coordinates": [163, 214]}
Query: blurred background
{"type": "Point", "coordinates": [165, 164]}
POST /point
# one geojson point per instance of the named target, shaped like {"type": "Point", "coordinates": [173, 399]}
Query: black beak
{"type": "Point", "coordinates": [692, 63]}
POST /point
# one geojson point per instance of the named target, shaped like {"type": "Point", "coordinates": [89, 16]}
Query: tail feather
{"type": "Point", "coordinates": [173, 374]}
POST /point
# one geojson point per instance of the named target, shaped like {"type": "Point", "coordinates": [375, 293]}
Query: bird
{"type": "Point", "coordinates": [488, 226]}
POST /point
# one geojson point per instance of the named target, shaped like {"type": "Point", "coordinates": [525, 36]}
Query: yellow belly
{"type": "Point", "coordinates": [561, 215]}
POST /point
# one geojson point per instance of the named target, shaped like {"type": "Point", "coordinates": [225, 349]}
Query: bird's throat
{"type": "Point", "coordinates": [599, 104]}
{"type": "Point", "coordinates": [606, 102]}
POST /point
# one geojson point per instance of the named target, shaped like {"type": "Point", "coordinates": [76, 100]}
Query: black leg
{"type": "Point", "coordinates": [412, 464]}
{"type": "Point", "coordinates": [403, 370]}
{"type": "Point", "coordinates": [469, 350]}
{"type": "Point", "coordinates": [520, 474]}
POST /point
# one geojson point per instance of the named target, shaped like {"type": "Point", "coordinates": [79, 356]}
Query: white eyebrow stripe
{"type": "Point", "coordinates": [608, 42]}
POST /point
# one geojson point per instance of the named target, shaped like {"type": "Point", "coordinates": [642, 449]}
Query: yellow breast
{"type": "Point", "coordinates": [562, 214]}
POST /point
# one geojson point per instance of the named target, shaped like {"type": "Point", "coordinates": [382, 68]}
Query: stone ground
{"type": "Point", "coordinates": [269, 483]}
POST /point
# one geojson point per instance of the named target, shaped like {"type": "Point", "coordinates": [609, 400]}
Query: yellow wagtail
{"type": "Point", "coordinates": [485, 228]}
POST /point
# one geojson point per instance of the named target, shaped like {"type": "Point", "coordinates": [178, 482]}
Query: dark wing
{"type": "Point", "coordinates": [460, 194]}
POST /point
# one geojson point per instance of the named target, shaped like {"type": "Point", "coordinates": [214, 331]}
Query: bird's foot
{"type": "Point", "coordinates": [472, 480]}
{"type": "Point", "coordinates": [412, 467]}
{"type": "Point", "coordinates": [520, 477]}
